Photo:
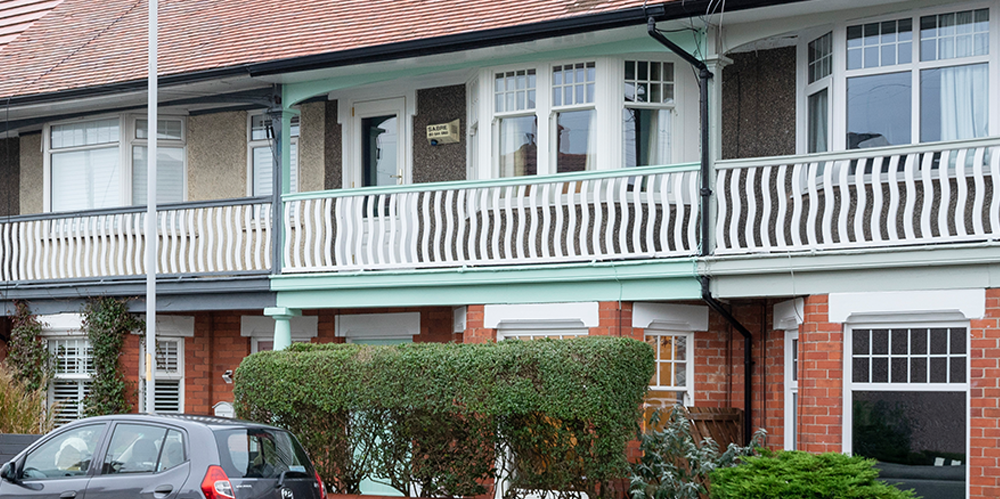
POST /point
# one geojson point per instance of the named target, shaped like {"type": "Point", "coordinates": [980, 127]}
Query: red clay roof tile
{"type": "Point", "coordinates": [83, 43]}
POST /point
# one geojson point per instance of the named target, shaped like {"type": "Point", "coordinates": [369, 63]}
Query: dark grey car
{"type": "Point", "coordinates": [162, 457]}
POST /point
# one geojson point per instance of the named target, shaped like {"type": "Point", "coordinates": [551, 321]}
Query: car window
{"type": "Point", "coordinates": [139, 448]}
{"type": "Point", "coordinates": [261, 453]}
{"type": "Point", "coordinates": [65, 456]}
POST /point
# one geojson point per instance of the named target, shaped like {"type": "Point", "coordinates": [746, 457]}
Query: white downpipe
{"type": "Point", "coordinates": [151, 236]}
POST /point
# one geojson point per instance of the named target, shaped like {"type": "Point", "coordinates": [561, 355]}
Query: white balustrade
{"type": "Point", "coordinates": [197, 238]}
{"type": "Point", "coordinates": [914, 195]}
{"type": "Point", "coordinates": [643, 213]}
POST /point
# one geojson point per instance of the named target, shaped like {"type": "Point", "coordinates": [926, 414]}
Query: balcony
{"type": "Point", "coordinates": [937, 195]}
{"type": "Point", "coordinates": [874, 198]}
{"type": "Point", "coordinates": [639, 213]}
{"type": "Point", "coordinates": [229, 237]}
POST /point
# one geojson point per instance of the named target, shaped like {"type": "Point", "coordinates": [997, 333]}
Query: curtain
{"type": "Point", "coordinates": [964, 101]}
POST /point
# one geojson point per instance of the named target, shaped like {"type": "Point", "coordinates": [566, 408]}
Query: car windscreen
{"type": "Point", "coordinates": [261, 453]}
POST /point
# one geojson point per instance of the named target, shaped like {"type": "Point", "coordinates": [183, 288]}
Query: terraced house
{"type": "Point", "coordinates": [793, 202]}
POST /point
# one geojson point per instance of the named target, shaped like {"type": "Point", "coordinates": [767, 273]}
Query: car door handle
{"type": "Point", "coordinates": [69, 494]}
{"type": "Point", "coordinates": [162, 490]}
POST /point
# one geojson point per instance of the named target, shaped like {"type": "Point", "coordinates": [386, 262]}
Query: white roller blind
{"type": "Point", "coordinates": [86, 180]}
{"type": "Point", "coordinates": [263, 165]}
{"type": "Point", "coordinates": [169, 175]}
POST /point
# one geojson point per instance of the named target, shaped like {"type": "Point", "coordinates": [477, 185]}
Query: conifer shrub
{"type": "Point", "coordinates": [800, 475]}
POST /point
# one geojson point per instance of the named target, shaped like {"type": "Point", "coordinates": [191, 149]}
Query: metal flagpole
{"type": "Point", "coordinates": [151, 235]}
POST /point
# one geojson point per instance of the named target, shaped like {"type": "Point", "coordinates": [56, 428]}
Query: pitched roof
{"type": "Point", "coordinates": [17, 15]}
{"type": "Point", "coordinates": [83, 43]}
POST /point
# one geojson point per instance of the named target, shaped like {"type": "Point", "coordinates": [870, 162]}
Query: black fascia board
{"type": "Point", "coordinates": [675, 9]}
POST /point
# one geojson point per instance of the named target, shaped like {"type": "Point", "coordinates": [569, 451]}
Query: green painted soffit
{"type": "Point", "coordinates": [293, 93]}
{"type": "Point", "coordinates": [674, 279]}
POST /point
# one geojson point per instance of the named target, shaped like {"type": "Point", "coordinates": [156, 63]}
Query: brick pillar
{"type": "Point", "coordinates": [615, 319]}
{"type": "Point", "coordinates": [821, 373]}
{"type": "Point", "coordinates": [984, 430]}
{"type": "Point", "coordinates": [131, 353]}
{"type": "Point", "coordinates": [774, 388]}
{"type": "Point", "coordinates": [474, 330]}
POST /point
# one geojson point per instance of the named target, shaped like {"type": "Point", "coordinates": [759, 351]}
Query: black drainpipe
{"type": "Point", "coordinates": [706, 197]}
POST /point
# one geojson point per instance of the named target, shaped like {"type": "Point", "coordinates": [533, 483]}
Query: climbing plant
{"type": "Point", "coordinates": [106, 322]}
{"type": "Point", "coordinates": [28, 354]}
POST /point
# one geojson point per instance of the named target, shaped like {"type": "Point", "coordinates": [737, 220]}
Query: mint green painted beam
{"type": "Point", "coordinates": [472, 184]}
{"type": "Point", "coordinates": [607, 281]}
{"type": "Point", "coordinates": [295, 93]}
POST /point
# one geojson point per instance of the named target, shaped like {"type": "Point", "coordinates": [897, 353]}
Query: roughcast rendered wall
{"type": "Point", "coordinates": [32, 174]}
{"type": "Point", "coordinates": [217, 156]}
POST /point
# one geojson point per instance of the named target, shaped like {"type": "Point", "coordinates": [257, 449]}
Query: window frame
{"type": "Point", "coordinates": [163, 375]}
{"type": "Point", "coordinates": [82, 380]}
{"type": "Point", "coordinates": [902, 322]}
{"type": "Point", "coordinates": [793, 357]}
{"type": "Point", "coordinates": [126, 140]}
{"type": "Point", "coordinates": [689, 361]}
{"type": "Point", "coordinates": [837, 81]}
{"type": "Point", "coordinates": [269, 143]}
{"type": "Point", "coordinates": [670, 107]}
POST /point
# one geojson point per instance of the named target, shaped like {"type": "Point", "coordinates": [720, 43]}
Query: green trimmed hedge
{"type": "Point", "coordinates": [446, 417]}
{"type": "Point", "coordinates": [800, 475]}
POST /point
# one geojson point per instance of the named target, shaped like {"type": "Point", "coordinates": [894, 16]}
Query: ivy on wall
{"type": "Point", "coordinates": [28, 353]}
{"type": "Point", "coordinates": [106, 322]}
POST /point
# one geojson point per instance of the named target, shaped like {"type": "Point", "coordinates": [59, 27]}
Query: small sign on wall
{"type": "Point", "coordinates": [443, 133]}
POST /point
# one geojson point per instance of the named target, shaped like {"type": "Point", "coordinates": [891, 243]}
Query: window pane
{"type": "Point", "coordinates": [877, 44]}
{"type": "Point", "coordinates": [820, 53]}
{"type": "Point", "coordinates": [66, 456]}
{"type": "Point", "coordinates": [165, 129]}
{"type": "Point", "coordinates": [169, 175]}
{"type": "Point", "coordinates": [575, 140]}
{"type": "Point", "coordinates": [653, 82]}
{"type": "Point", "coordinates": [86, 180]}
{"type": "Point", "coordinates": [262, 166]}
{"type": "Point", "coordinates": [518, 147]}
{"type": "Point", "coordinates": [84, 134]}
{"type": "Point", "coordinates": [510, 84]}
{"type": "Point", "coordinates": [953, 35]}
{"type": "Point", "coordinates": [912, 429]}
{"type": "Point", "coordinates": [818, 121]}
{"type": "Point", "coordinates": [878, 110]}
{"type": "Point", "coordinates": [574, 83]}
{"type": "Point", "coordinates": [954, 103]}
{"type": "Point", "coordinates": [646, 136]}
{"type": "Point", "coordinates": [134, 448]}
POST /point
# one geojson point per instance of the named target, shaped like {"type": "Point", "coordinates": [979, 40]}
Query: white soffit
{"type": "Point", "coordinates": [173, 325]}
{"type": "Point", "coordinates": [970, 303]}
{"type": "Point", "coordinates": [583, 314]}
{"type": "Point", "coordinates": [303, 327]}
{"type": "Point", "coordinates": [789, 314]}
{"type": "Point", "coordinates": [398, 325]}
{"type": "Point", "coordinates": [670, 316]}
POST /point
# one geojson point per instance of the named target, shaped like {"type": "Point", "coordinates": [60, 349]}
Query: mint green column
{"type": "Point", "coordinates": [282, 325]}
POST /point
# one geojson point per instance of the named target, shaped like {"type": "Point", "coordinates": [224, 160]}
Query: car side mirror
{"type": "Point", "coordinates": [9, 472]}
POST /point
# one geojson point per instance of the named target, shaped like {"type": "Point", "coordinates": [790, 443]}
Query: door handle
{"type": "Point", "coordinates": [163, 490]}
{"type": "Point", "coordinates": [69, 494]}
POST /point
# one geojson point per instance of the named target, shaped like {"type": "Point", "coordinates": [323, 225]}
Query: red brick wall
{"type": "Point", "coordinates": [474, 330]}
{"type": "Point", "coordinates": [984, 461]}
{"type": "Point", "coordinates": [821, 373]}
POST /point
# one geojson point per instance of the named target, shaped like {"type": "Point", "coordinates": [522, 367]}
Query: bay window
{"type": "Point", "coordinates": [900, 80]}
{"type": "Point", "coordinates": [101, 163]}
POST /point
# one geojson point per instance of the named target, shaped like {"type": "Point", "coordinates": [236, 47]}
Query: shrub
{"type": "Point", "coordinates": [799, 475]}
{"type": "Point", "coordinates": [29, 355]}
{"type": "Point", "coordinates": [22, 408]}
{"type": "Point", "coordinates": [440, 415]}
{"type": "Point", "coordinates": [674, 465]}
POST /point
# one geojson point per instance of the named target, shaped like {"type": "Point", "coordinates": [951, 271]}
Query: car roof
{"type": "Point", "coordinates": [184, 420]}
